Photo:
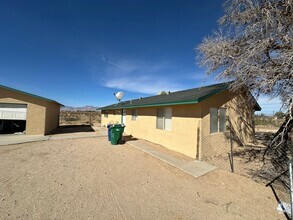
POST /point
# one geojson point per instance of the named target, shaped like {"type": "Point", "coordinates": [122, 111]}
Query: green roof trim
{"type": "Point", "coordinates": [190, 96]}
{"type": "Point", "coordinates": [29, 94]}
{"type": "Point", "coordinates": [151, 105]}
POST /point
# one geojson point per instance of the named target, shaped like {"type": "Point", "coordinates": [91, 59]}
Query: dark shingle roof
{"type": "Point", "coordinates": [189, 96]}
{"type": "Point", "coordinates": [29, 94]}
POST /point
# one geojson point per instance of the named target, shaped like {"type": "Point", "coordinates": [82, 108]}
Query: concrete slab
{"type": "Point", "coordinates": [8, 139]}
{"type": "Point", "coordinates": [72, 136]}
{"type": "Point", "coordinates": [195, 168]}
{"type": "Point", "coordinates": [101, 131]}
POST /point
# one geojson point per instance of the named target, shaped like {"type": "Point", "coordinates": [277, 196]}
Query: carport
{"type": "Point", "coordinates": [27, 113]}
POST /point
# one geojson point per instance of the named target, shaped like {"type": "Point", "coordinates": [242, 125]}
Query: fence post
{"type": "Point", "coordinates": [231, 155]}
{"type": "Point", "coordinates": [291, 187]}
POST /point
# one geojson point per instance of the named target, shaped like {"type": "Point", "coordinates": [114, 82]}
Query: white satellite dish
{"type": "Point", "coordinates": [119, 95]}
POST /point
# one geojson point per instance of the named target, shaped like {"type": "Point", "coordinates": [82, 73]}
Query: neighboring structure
{"type": "Point", "coordinates": [194, 122]}
{"type": "Point", "coordinates": [21, 111]}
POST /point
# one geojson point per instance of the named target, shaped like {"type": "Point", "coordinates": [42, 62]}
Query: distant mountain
{"type": "Point", "coordinates": [84, 108]}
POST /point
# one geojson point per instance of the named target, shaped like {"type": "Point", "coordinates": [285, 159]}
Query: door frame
{"type": "Point", "coordinates": [123, 117]}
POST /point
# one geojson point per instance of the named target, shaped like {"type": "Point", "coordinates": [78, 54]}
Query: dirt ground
{"type": "Point", "coordinates": [90, 179]}
{"type": "Point", "coordinates": [79, 118]}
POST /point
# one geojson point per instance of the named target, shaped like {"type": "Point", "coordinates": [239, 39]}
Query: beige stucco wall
{"type": "Point", "coordinates": [113, 118]}
{"type": "Point", "coordinates": [36, 123]}
{"type": "Point", "coordinates": [183, 136]}
{"type": "Point", "coordinates": [52, 116]}
{"type": "Point", "coordinates": [240, 114]}
{"type": "Point", "coordinates": [190, 133]}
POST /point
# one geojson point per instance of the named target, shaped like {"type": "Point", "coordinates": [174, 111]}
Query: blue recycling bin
{"type": "Point", "coordinates": [109, 131]}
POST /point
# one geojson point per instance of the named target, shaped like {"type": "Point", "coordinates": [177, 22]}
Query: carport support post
{"type": "Point", "coordinates": [291, 187]}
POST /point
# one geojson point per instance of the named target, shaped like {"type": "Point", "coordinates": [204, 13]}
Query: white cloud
{"type": "Point", "coordinates": [137, 76]}
{"type": "Point", "coordinates": [146, 85]}
{"type": "Point", "coordinates": [145, 77]}
{"type": "Point", "coordinates": [105, 60]}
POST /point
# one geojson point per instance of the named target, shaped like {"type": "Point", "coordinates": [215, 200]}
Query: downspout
{"type": "Point", "coordinates": [199, 133]}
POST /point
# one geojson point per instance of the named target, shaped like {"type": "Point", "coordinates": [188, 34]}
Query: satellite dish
{"type": "Point", "coordinates": [119, 95]}
{"type": "Point", "coordinates": [162, 93]}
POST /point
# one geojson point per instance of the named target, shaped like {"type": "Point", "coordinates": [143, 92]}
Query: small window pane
{"type": "Point", "coordinates": [168, 119]}
{"type": "Point", "coordinates": [106, 115]}
{"type": "Point", "coordinates": [222, 115]}
{"type": "Point", "coordinates": [213, 120]}
{"type": "Point", "coordinates": [134, 115]}
{"type": "Point", "coordinates": [160, 118]}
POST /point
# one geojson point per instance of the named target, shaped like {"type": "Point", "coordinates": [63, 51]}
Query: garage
{"type": "Point", "coordinates": [23, 112]}
{"type": "Point", "coordinates": [12, 118]}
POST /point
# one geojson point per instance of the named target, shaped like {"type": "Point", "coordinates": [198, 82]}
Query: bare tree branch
{"type": "Point", "coordinates": [254, 47]}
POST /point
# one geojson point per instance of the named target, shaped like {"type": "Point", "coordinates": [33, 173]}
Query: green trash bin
{"type": "Point", "coordinates": [116, 134]}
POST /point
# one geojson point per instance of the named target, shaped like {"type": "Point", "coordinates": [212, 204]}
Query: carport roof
{"type": "Point", "coordinates": [29, 94]}
{"type": "Point", "coordinates": [190, 96]}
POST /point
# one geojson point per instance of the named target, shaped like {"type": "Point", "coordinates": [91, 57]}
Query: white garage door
{"type": "Point", "coordinates": [13, 111]}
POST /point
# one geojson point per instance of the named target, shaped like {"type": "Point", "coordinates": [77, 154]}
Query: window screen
{"type": "Point", "coordinates": [160, 118]}
{"type": "Point", "coordinates": [168, 119]}
{"type": "Point", "coordinates": [213, 120]}
{"type": "Point", "coordinates": [164, 119]}
{"type": "Point", "coordinates": [134, 114]}
{"type": "Point", "coordinates": [222, 119]}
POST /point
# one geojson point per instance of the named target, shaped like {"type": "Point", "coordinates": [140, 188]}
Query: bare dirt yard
{"type": "Point", "coordinates": [90, 179]}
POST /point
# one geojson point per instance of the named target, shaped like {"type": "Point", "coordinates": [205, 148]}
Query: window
{"type": "Point", "coordinates": [217, 120]}
{"type": "Point", "coordinates": [134, 114]}
{"type": "Point", "coordinates": [164, 119]}
{"type": "Point", "coordinates": [222, 119]}
{"type": "Point", "coordinates": [106, 115]}
{"type": "Point", "coordinates": [214, 120]}
{"type": "Point", "coordinates": [160, 118]}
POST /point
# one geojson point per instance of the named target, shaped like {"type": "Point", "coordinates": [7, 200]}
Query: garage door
{"type": "Point", "coordinates": [12, 111]}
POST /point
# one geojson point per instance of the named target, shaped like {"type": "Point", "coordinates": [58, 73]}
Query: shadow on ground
{"type": "Point", "coordinates": [255, 151]}
{"type": "Point", "coordinates": [253, 164]}
{"type": "Point", "coordinates": [129, 138]}
{"type": "Point", "coordinates": [278, 196]}
{"type": "Point", "coordinates": [67, 129]}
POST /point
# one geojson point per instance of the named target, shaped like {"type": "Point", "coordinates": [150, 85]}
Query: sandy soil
{"type": "Point", "coordinates": [90, 179]}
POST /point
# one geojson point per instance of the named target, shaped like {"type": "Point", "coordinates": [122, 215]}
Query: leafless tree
{"type": "Point", "coordinates": [254, 47]}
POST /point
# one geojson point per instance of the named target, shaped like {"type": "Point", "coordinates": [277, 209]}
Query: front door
{"type": "Point", "coordinates": [124, 117]}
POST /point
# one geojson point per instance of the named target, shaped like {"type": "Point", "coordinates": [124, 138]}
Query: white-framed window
{"type": "Point", "coordinates": [217, 120]}
{"type": "Point", "coordinates": [164, 119]}
{"type": "Point", "coordinates": [133, 114]}
{"type": "Point", "coordinates": [106, 115]}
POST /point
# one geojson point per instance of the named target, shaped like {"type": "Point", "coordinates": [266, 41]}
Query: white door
{"type": "Point", "coordinates": [124, 117]}
{"type": "Point", "coordinates": [12, 111]}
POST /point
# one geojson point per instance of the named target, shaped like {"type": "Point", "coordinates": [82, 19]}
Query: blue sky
{"type": "Point", "coordinates": [81, 52]}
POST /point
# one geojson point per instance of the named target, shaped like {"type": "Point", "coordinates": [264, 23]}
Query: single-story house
{"type": "Point", "coordinates": [21, 111]}
{"type": "Point", "coordinates": [195, 122]}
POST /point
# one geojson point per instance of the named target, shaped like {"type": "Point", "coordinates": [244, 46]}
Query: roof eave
{"type": "Point", "coordinates": [257, 107]}
{"type": "Point", "coordinates": [151, 105]}
{"type": "Point", "coordinates": [31, 95]}
{"type": "Point", "coordinates": [167, 103]}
